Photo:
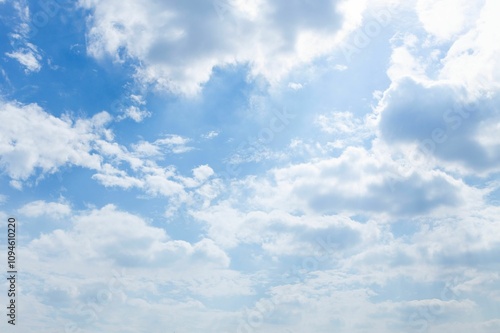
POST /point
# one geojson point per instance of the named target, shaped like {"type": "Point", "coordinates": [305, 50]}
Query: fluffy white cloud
{"type": "Point", "coordinates": [107, 262]}
{"type": "Point", "coordinates": [42, 208]}
{"type": "Point", "coordinates": [31, 140]}
{"type": "Point", "coordinates": [34, 142]}
{"type": "Point", "coordinates": [460, 15]}
{"type": "Point", "coordinates": [437, 124]}
{"type": "Point", "coordinates": [135, 113]}
{"type": "Point", "coordinates": [178, 51]}
{"type": "Point", "coordinates": [172, 143]}
{"type": "Point", "coordinates": [109, 235]}
{"type": "Point", "coordinates": [210, 135]}
{"type": "Point", "coordinates": [377, 185]}
{"type": "Point", "coordinates": [446, 115]}
{"type": "Point", "coordinates": [280, 232]}
{"type": "Point", "coordinates": [363, 239]}
{"type": "Point", "coordinates": [473, 59]}
{"type": "Point", "coordinates": [156, 180]}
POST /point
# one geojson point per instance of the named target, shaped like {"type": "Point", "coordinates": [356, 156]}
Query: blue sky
{"type": "Point", "coordinates": [252, 166]}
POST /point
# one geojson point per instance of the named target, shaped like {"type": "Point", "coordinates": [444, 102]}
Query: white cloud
{"type": "Point", "coordinates": [295, 86]}
{"type": "Point", "coordinates": [459, 16]}
{"type": "Point", "coordinates": [26, 53]}
{"type": "Point", "coordinates": [135, 113]}
{"type": "Point", "coordinates": [404, 63]}
{"type": "Point", "coordinates": [178, 51]}
{"type": "Point", "coordinates": [340, 68]}
{"type": "Point", "coordinates": [31, 140]}
{"type": "Point", "coordinates": [280, 232]}
{"type": "Point", "coordinates": [430, 120]}
{"type": "Point", "coordinates": [210, 135]}
{"type": "Point", "coordinates": [272, 211]}
{"type": "Point", "coordinates": [439, 101]}
{"type": "Point", "coordinates": [175, 144]}
{"type": "Point", "coordinates": [376, 185]}
{"type": "Point", "coordinates": [110, 176]}
{"type": "Point", "coordinates": [473, 59]}
{"type": "Point", "coordinates": [362, 239]}
{"type": "Point", "coordinates": [108, 234]}
{"type": "Point", "coordinates": [16, 184]}
{"type": "Point", "coordinates": [111, 263]}
{"type": "Point", "coordinates": [202, 173]}
{"type": "Point", "coordinates": [156, 180]}
{"type": "Point", "coordinates": [145, 148]}
{"type": "Point", "coordinates": [29, 58]}
{"type": "Point", "coordinates": [38, 208]}
{"type": "Point", "coordinates": [341, 123]}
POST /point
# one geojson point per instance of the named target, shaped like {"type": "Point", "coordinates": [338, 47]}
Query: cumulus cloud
{"type": "Point", "coordinates": [32, 140]}
{"type": "Point", "coordinates": [109, 234]}
{"type": "Point", "coordinates": [42, 208]}
{"type": "Point", "coordinates": [109, 261]}
{"type": "Point", "coordinates": [368, 238]}
{"type": "Point", "coordinates": [460, 15]}
{"type": "Point", "coordinates": [376, 185]}
{"type": "Point", "coordinates": [472, 60]}
{"type": "Point", "coordinates": [281, 233]}
{"type": "Point", "coordinates": [156, 180]}
{"type": "Point", "coordinates": [287, 211]}
{"type": "Point", "coordinates": [446, 115]}
{"type": "Point", "coordinates": [438, 121]}
{"type": "Point", "coordinates": [178, 51]}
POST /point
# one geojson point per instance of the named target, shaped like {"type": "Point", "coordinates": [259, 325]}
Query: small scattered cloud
{"type": "Point", "coordinates": [24, 52]}
{"type": "Point", "coordinates": [27, 57]}
{"type": "Point", "coordinates": [172, 143]}
{"type": "Point", "coordinates": [210, 135]}
{"type": "Point", "coordinates": [345, 128]}
{"type": "Point", "coordinates": [295, 86]}
{"type": "Point", "coordinates": [175, 143]}
{"type": "Point", "coordinates": [135, 113]}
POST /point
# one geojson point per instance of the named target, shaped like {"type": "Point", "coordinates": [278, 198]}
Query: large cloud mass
{"type": "Point", "coordinates": [177, 44]}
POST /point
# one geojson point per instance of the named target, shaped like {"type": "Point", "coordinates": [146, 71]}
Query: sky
{"type": "Point", "coordinates": [251, 166]}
